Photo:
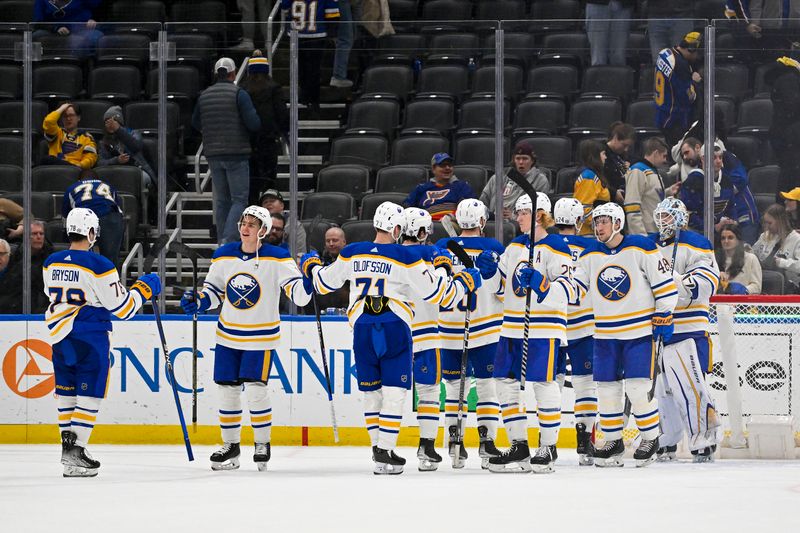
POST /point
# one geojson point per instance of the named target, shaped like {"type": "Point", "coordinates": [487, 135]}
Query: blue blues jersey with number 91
{"type": "Point", "coordinates": [310, 17]}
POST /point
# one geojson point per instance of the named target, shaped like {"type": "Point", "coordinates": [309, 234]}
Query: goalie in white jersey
{"type": "Point", "coordinates": [550, 280]}
{"type": "Point", "coordinates": [385, 278]}
{"type": "Point", "coordinates": [684, 400]}
{"type": "Point", "coordinates": [245, 279]}
{"type": "Point", "coordinates": [633, 296]}
{"type": "Point", "coordinates": [85, 291]}
{"type": "Point", "coordinates": [486, 318]}
{"type": "Point", "coordinates": [568, 214]}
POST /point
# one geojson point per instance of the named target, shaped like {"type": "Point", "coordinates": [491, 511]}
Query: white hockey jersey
{"type": "Point", "coordinates": [628, 285]}
{"type": "Point", "coordinates": [580, 314]}
{"type": "Point", "coordinates": [548, 319]}
{"type": "Point", "coordinates": [248, 286]}
{"type": "Point", "coordinates": [424, 328]}
{"type": "Point", "coordinates": [486, 308]}
{"type": "Point", "coordinates": [85, 291]}
{"type": "Point", "coordinates": [694, 260]}
{"type": "Point", "coordinates": [390, 270]}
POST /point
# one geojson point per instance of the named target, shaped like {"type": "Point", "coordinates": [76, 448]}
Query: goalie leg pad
{"type": "Point", "coordinates": [258, 402]}
{"type": "Point", "coordinates": [372, 411]}
{"type": "Point", "coordinates": [645, 411]}
{"type": "Point", "coordinates": [230, 412]}
{"type": "Point", "coordinates": [391, 417]}
{"type": "Point", "coordinates": [548, 401]}
{"type": "Point", "coordinates": [428, 410]}
{"type": "Point", "coordinates": [669, 415]}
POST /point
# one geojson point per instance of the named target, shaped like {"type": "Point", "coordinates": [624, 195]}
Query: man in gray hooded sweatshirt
{"type": "Point", "coordinates": [523, 163]}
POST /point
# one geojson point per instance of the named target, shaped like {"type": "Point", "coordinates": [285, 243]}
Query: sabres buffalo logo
{"type": "Point", "coordinates": [613, 283]}
{"type": "Point", "coordinates": [516, 285]}
{"type": "Point", "coordinates": [243, 291]}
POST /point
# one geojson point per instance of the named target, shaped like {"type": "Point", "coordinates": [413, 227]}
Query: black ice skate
{"type": "Point", "coordinates": [261, 456]}
{"type": "Point", "coordinates": [487, 449]}
{"type": "Point", "coordinates": [77, 461]}
{"type": "Point", "coordinates": [387, 462]}
{"type": "Point", "coordinates": [428, 458]}
{"type": "Point", "coordinates": [610, 454]}
{"type": "Point", "coordinates": [666, 454]}
{"type": "Point", "coordinates": [706, 455]}
{"type": "Point", "coordinates": [646, 452]}
{"type": "Point", "coordinates": [227, 457]}
{"type": "Point", "coordinates": [544, 459]}
{"type": "Point", "coordinates": [67, 442]}
{"type": "Point", "coordinates": [515, 460]}
{"type": "Point", "coordinates": [458, 458]}
{"type": "Point", "coordinates": [585, 447]}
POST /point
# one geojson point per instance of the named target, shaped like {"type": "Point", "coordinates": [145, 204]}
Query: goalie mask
{"type": "Point", "coordinates": [416, 224]}
{"type": "Point", "coordinates": [669, 215]}
{"type": "Point", "coordinates": [470, 214]}
{"type": "Point", "coordinates": [568, 212]}
{"type": "Point", "coordinates": [82, 221]}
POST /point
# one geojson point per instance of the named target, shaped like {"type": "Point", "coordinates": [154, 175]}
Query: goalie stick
{"type": "Point", "coordinates": [466, 260]}
{"type": "Point", "coordinates": [531, 192]}
{"type": "Point", "coordinates": [155, 251]}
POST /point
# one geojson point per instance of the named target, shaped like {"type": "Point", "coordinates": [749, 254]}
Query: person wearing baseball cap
{"type": "Point", "coordinates": [675, 87]}
{"type": "Point", "coordinates": [121, 145]}
{"type": "Point", "coordinates": [441, 194]}
{"type": "Point", "coordinates": [792, 198]}
{"type": "Point", "coordinates": [226, 117]}
{"type": "Point", "coordinates": [523, 163]}
{"type": "Point", "coordinates": [272, 201]}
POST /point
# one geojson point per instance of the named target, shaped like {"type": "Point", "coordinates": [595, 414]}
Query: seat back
{"type": "Point", "coordinates": [10, 178]}
{"type": "Point", "coordinates": [400, 178]}
{"type": "Point", "coordinates": [351, 179]}
{"type": "Point", "coordinates": [370, 203]}
{"type": "Point", "coordinates": [417, 149]}
{"type": "Point", "coordinates": [338, 207]}
{"type": "Point", "coordinates": [475, 175]}
{"type": "Point", "coordinates": [369, 150]}
{"type": "Point", "coordinates": [359, 230]}
{"type": "Point", "coordinates": [545, 114]}
{"type": "Point", "coordinates": [596, 114]}
{"type": "Point", "coordinates": [382, 114]}
{"type": "Point", "coordinates": [433, 113]}
{"type": "Point", "coordinates": [392, 79]}
{"type": "Point", "coordinates": [53, 178]}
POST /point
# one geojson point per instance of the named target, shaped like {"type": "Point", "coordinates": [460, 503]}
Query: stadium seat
{"type": "Point", "coordinates": [124, 178]}
{"type": "Point", "coordinates": [55, 232]}
{"type": "Point", "coordinates": [755, 117]}
{"type": "Point", "coordinates": [11, 148]}
{"type": "Point", "coordinates": [475, 175]}
{"type": "Point", "coordinates": [595, 114]}
{"type": "Point", "coordinates": [392, 79]}
{"type": "Point", "coordinates": [194, 16]}
{"type": "Point", "coordinates": [407, 45]}
{"type": "Point", "coordinates": [352, 179]}
{"type": "Point", "coordinates": [556, 15]}
{"type": "Point", "coordinates": [553, 80]}
{"type": "Point", "coordinates": [117, 84]}
{"type": "Point", "coordinates": [403, 10]}
{"type": "Point", "coordinates": [338, 207]}
{"type": "Point", "coordinates": [638, 50]}
{"type": "Point", "coordinates": [53, 178]}
{"type": "Point", "coordinates": [446, 10]}
{"type": "Point", "coordinates": [761, 89]}
{"type": "Point", "coordinates": [144, 116]}
{"type": "Point", "coordinates": [16, 11]}
{"type": "Point", "coordinates": [183, 83]}
{"type": "Point", "coordinates": [764, 179]}
{"type": "Point", "coordinates": [478, 112]}
{"type": "Point", "coordinates": [44, 205]}
{"type": "Point", "coordinates": [57, 82]}
{"type": "Point", "coordinates": [732, 80]}
{"type": "Point", "coordinates": [565, 180]}
{"type": "Point", "coordinates": [315, 232]}
{"type": "Point", "coordinates": [370, 203]}
{"type": "Point", "coordinates": [747, 149]}
{"type": "Point", "coordinates": [519, 47]}
{"type": "Point", "coordinates": [12, 116]}
{"type": "Point", "coordinates": [764, 200]}
{"type": "Point", "coordinates": [10, 178]}
{"type": "Point", "coordinates": [197, 49]}
{"type": "Point", "coordinates": [570, 48]}
{"type": "Point", "coordinates": [379, 112]}
{"type": "Point", "coordinates": [359, 230]}
{"type": "Point", "coordinates": [359, 149]}
{"type": "Point", "coordinates": [400, 178]}
{"type": "Point", "coordinates": [477, 149]}
{"type": "Point", "coordinates": [418, 149]}
{"type": "Point", "coordinates": [433, 111]}
{"type": "Point", "coordinates": [57, 49]}
{"type": "Point", "coordinates": [137, 16]}
{"type": "Point", "coordinates": [545, 114]}
{"type": "Point", "coordinates": [464, 45]}
{"type": "Point", "coordinates": [124, 48]}
{"type": "Point", "coordinates": [500, 10]}
{"type": "Point", "coordinates": [551, 151]}
{"type": "Point", "coordinates": [642, 116]}
{"type": "Point", "coordinates": [509, 231]}
{"type": "Point", "coordinates": [725, 108]}
{"type": "Point", "coordinates": [772, 282]}
{"type": "Point", "coordinates": [513, 77]}
{"type": "Point", "coordinates": [444, 79]}
{"type": "Point", "coordinates": [646, 81]}
{"type": "Point", "coordinates": [10, 81]}
{"type": "Point", "coordinates": [608, 80]}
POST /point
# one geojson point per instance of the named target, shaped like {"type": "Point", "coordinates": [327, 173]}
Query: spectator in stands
{"type": "Point", "coordinates": [275, 235]}
{"type": "Point", "coordinates": [607, 27]}
{"type": "Point", "coordinates": [226, 117]}
{"type": "Point", "coordinates": [124, 146]}
{"type": "Point", "coordinates": [312, 23]}
{"type": "Point", "coordinates": [267, 142]}
{"type": "Point", "coordinates": [10, 219]}
{"type": "Point", "coordinates": [8, 293]}
{"type": "Point", "coordinates": [350, 14]}
{"type": "Point", "coordinates": [73, 18]}
{"type": "Point", "coordinates": [340, 298]}
{"type": "Point", "coordinates": [791, 203]}
{"type": "Point", "coordinates": [272, 201]}
{"type": "Point", "coordinates": [667, 23]}
{"type": "Point", "coordinates": [67, 145]}
{"type": "Point", "coordinates": [645, 189]}
{"type": "Point", "coordinates": [778, 248]}
{"type": "Point", "coordinates": [621, 137]}
{"type": "Point", "coordinates": [686, 155]}
{"type": "Point", "coordinates": [675, 84]}
{"type": "Point", "coordinates": [769, 26]}
{"type": "Point", "coordinates": [523, 164]}
{"type": "Point", "coordinates": [441, 194]}
{"type": "Point", "coordinates": [248, 9]}
{"type": "Point", "coordinates": [740, 271]}
{"type": "Point", "coordinates": [784, 134]}
{"type": "Point", "coordinates": [591, 187]}
{"type": "Point", "coordinates": [5, 256]}
{"type": "Point", "coordinates": [92, 193]}
{"type": "Point", "coordinates": [12, 282]}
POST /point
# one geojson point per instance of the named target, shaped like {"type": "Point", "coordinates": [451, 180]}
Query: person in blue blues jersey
{"type": "Point", "coordinates": [85, 292]}
{"type": "Point", "coordinates": [441, 194]}
{"type": "Point", "coordinates": [92, 193]}
{"type": "Point", "coordinates": [674, 90]}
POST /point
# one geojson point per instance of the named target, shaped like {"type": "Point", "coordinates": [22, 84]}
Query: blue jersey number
{"type": "Point", "coordinates": [367, 285]}
{"type": "Point", "coordinates": [74, 297]}
{"type": "Point", "coordinates": [473, 303]}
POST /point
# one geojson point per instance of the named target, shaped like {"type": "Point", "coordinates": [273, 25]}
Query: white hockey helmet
{"type": "Point", "coordinates": [81, 221]}
{"type": "Point", "coordinates": [612, 210]}
{"type": "Point", "coordinates": [414, 221]}
{"type": "Point", "coordinates": [471, 213]}
{"type": "Point", "coordinates": [568, 212]}
{"type": "Point", "coordinates": [542, 203]}
{"type": "Point", "coordinates": [387, 217]}
{"type": "Point", "coordinates": [670, 214]}
{"type": "Point", "coordinates": [261, 214]}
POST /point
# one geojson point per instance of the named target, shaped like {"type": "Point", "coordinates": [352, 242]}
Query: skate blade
{"type": "Point", "coordinates": [485, 463]}
{"type": "Point", "coordinates": [458, 463]}
{"type": "Point", "coordinates": [641, 463]}
{"type": "Point", "coordinates": [261, 465]}
{"type": "Point", "coordinates": [79, 471]}
{"type": "Point", "coordinates": [231, 464]}
{"type": "Point", "coordinates": [427, 466]}
{"type": "Point", "coordinates": [611, 462]}
{"type": "Point", "coordinates": [698, 459]}
{"type": "Point", "coordinates": [511, 468]}
{"type": "Point", "coordinates": [667, 459]}
{"type": "Point", "coordinates": [382, 469]}
{"type": "Point", "coordinates": [543, 469]}
{"type": "Point", "coordinates": [585, 460]}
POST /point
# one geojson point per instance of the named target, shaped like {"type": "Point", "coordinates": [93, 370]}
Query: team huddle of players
{"type": "Point", "coordinates": [608, 305]}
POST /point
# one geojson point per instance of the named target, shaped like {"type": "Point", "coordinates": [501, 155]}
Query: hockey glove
{"type": "Point", "coordinates": [192, 304]}
{"type": "Point", "coordinates": [737, 288]}
{"type": "Point", "coordinates": [308, 262]}
{"type": "Point", "coordinates": [687, 286]}
{"type": "Point", "coordinates": [148, 286]}
{"type": "Point", "coordinates": [487, 264]}
{"type": "Point", "coordinates": [441, 258]}
{"type": "Point", "coordinates": [533, 279]}
{"type": "Point", "coordinates": [662, 326]}
{"type": "Point", "coordinates": [470, 278]}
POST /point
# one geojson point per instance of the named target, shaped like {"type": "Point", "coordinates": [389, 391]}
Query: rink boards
{"type": "Point", "coordinates": [140, 409]}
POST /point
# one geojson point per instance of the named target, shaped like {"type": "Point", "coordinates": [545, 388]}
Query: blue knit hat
{"type": "Point", "coordinates": [258, 64]}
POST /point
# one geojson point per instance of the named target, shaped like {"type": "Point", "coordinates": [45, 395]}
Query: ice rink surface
{"type": "Point", "coordinates": [146, 489]}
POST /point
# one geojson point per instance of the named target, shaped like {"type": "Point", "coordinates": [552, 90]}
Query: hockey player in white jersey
{"type": "Point", "coordinates": [684, 400]}
{"type": "Point", "coordinates": [550, 280]}
{"type": "Point", "coordinates": [245, 279]}
{"type": "Point", "coordinates": [633, 296]}
{"type": "Point", "coordinates": [568, 215]}
{"type": "Point", "coordinates": [385, 279]}
{"type": "Point", "coordinates": [85, 291]}
{"type": "Point", "coordinates": [486, 318]}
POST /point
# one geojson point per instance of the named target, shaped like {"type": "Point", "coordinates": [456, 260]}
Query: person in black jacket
{"type": "Point", "coordinates": [784, 134]}
{"type": "Point", "coordinates": [267, 142]}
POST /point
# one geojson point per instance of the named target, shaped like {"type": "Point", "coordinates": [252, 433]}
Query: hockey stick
{"type": "Point", "coordinates": [660, 342]}
{"type": "Point", "coordinates": [466, 260]}
{"type": "Point", "coordinates": [155, 250]}
{"type": "Point", "coordinates": [183, 250]}
{"type": "Point", "coordinates": [531, 192]}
